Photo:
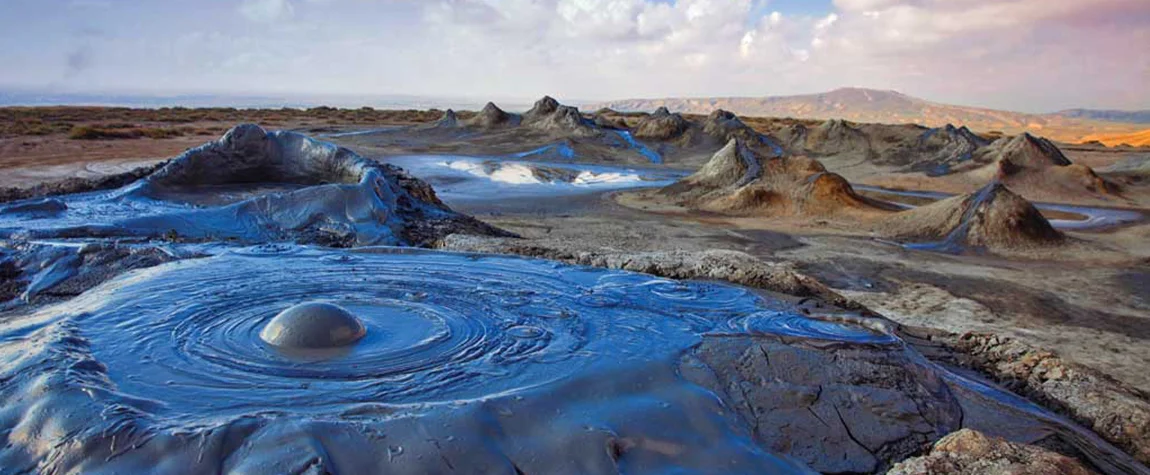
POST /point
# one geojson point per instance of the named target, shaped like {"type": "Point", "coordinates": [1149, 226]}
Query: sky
{"type": "Point", "coordinates": [1026, 55]}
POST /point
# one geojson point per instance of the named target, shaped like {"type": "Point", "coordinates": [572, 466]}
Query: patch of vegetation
{"type": "Point", "coordinates": [89, 132]}
{"type": "Point", "coordinates": [118, 122]}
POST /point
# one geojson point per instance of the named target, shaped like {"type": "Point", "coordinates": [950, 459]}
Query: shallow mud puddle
{"type": "Point", "coordinates": [464, 179]}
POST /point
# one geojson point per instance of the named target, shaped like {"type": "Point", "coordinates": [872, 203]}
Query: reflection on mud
{"type": "Point", "coordinates": [460, 179]}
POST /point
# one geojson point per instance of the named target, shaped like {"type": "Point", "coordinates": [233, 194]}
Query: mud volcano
{"type": "Point", "coordinates": [739, 180]}
{"type": "Point", "coordinates": [993, 218]}
{"type": "Point", "coordinates": [254, 186]}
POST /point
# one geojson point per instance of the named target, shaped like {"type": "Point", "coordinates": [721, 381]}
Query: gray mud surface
{"type": "Point", "coordinates": [563, 333]}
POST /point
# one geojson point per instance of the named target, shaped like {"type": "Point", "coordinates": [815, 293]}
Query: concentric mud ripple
{"type": "Point", "coordinates": [440, 327]}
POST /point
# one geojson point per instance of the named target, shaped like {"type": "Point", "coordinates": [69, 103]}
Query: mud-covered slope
{"type": "Point", "coordinates": [1026, 161]}
{"type": "Point", "coordinates": [286, 187]}
{"type": "Point", "coordinates": [994, 217]}
{"type": "Point", "coordinates": [491, 116]}
{"type": "Point", "coordinates": [903, 148]}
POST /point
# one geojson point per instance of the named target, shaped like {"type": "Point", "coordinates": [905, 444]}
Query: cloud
{"type": "Point", "coordinates": [267, 11]}
{"type": "Point", "coordinates": [1025, 54]}
{"type": "Point", "coordinates": [1016, 52]}
{"type": "Point", "coordinates": [77, 61]}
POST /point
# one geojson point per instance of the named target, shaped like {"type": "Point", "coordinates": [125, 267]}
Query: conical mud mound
{"type": "Point", "coordinates": [1026, 151]}
{"type": "Point", "coordinates": [449, 120]}
{"type": "Point", "coordinates": [937, 151]}
{"type": "Point", "coordinates": [492, 117]}
{"type": "Point", "coordinates": [835, 136]}
{"type": "Point", "coordinates": [549, 116]}
{"type": "Point", "coordinates": [740, 180]}
{"type": "Point", "coordinates": [1036, 164]}
{"type": "Point", "coordinates": [724, 125]}
{"type": "Point", "coordinates": [993, 217]}
{"type": "Point", "coordinates": [542, 108]}
{"type": "Point", "coordinates": [661, 125]}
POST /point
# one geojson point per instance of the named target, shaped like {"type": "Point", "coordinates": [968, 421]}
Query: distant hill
{"type": "Point", "coordinates": [1136, 139]}
{"type": "Point", "coordinates": [883, 106]}
{"type": "Point", "coordinates": [1129, 117]}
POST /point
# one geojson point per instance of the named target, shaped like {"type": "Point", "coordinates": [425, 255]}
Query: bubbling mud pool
{"type": "Point", "coordinates": [474, 363]}
{"type": "Point", "coordinates": [439, 327]}
{"type": "Point", "coordinates": [173, 355]}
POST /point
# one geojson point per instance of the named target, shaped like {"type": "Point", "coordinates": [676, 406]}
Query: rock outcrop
{"type": "Point", "coordinates": [1117, 412]}
{"type": "Point", "coordinates": [969, 452]}
{"type": "Point", "coordinates": [994, 217]}
{"type": "Point", "coordinates": [739, 180]}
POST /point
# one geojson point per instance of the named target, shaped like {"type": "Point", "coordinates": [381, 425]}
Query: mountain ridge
{"type": "Point", "coordinates": [885, 106]}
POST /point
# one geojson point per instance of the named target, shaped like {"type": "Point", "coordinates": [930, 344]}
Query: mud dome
{"type": "Point", "coordinates": [253, 186]}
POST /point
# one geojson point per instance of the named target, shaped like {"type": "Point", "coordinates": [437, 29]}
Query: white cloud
{"type": "Point", "coordinates": [1035, 54]}
{"type": "Point", "coordinates": [267, 11]}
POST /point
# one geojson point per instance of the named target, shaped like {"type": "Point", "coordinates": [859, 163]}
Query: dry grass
{"type": "Point", "coordinates": [122, 122]}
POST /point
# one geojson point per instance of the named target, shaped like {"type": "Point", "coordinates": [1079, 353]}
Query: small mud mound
{"type": "Point", "coordinates": [836, 136]}
{"type": "Point", "coordinates": [725, 126]}
{"type": "Point", "coordinates": [448, 121]}
{"type": "Point", "coordinates": [994, 218]}
{"type": "Point", "coordinates": [542, 108]}
{"type": "Point", "coordinates": [739, 180]}
{"type": "Point", "coordinates": [1025, 151]}
{"type": "Point", "coordinates": [910, 148]}
{"type": "Point", "coordinates": [492, 117]}
{"type": "Point", "coordinates": [257, 186]}
{"type": "Point", "coordinates": [661, 125]}
{"type": "Point", "coordinates": [1033, 163]}
{"type": "Point", "coordinates": [609, 119]}
{"type": "Point", "coordinates": [941, 149]}
{"type": "Point", "coordinates": [549, 116]}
